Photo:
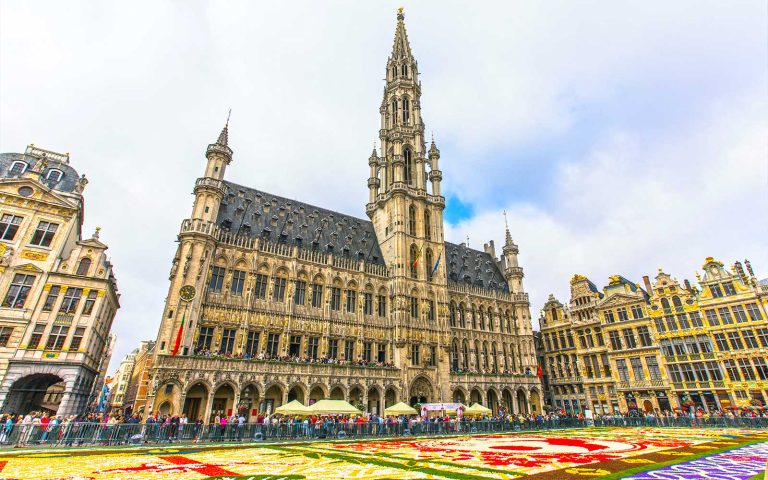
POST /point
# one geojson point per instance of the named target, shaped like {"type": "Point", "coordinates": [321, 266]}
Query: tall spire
{"type": "Point", "coordinates": [224, 135]}
{"type": "Point", "coordinates": [401, 48]}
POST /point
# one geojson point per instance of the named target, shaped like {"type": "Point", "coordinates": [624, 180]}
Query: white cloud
{"type": "Point", "coordinates": [604, 94]}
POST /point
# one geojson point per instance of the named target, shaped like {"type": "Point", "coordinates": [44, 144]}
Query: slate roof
{"type": "Point", "coordinates": [255, 213]}
{"type": "Point", "coordinates": [469, 266]}
{"type": "Point", "coordinates": [66, 184]}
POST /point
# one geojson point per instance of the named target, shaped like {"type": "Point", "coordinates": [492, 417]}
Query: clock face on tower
{"type": "Point", "coordinates": [187, 293]}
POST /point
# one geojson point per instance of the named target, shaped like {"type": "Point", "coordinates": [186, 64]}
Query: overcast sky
{"type": "Point", "coordinates": [619, 136]}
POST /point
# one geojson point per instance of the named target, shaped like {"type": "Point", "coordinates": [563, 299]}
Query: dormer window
{"type": "Point", "coordinates": [54, 175]}
{"type": "Point", "coordinates": [18, 167]}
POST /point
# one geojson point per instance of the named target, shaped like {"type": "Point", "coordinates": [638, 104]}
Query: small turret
{"type": "Point", "coordinates": [209, 190]}
{"type": "Point", "coordinates": [512, 270]}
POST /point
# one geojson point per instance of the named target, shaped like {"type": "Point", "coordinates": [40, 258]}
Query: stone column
{"type": "Point", "coordinates": [208, 409]}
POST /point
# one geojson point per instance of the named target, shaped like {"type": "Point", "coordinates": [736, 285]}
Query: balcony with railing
{"type": "Point", "coordinates": [642, 384]}
{"type": "Point", "coordinates": [698, 385]}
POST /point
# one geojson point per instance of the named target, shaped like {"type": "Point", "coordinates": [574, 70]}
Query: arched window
{"type": "Point", "coordinates": [406, 111]}
{"type": "Point", "coordinates": [408, 166]}
{"type": "Point", "coordinates": [495, 352]}
{"type": "Point", "coordinates": [394, 111]}
{"type": "Point", "coordinates": [490, 319]}
{"type": "Point", "coordinates": [482, 319]}
{"type": "Point", "coordinates": [477, 355]}
{"type": "Point", "coordinates": [676, 302]}
{"type": "Point", "coordinates": [412, 220]}
{"type": "Point", "coordinates": [84, 266]}
{"type": "Point", "coordinates": [428, 264]}
{"type": "Point", "coordinates": [509, 324]}
{"type": "Point", "coordinates": [465, 355]}
{"type": "Point", "coordinates": [462, 316]}
{"type": "Point", "coordinates": [506, 359]}
{"type": "Point", "coordinates": [413, 265]}
{"type": "Point", "coordinates": [54, 175]}
{"type": "Point", "coordinates": [485, 356]}
{"type": "Point", "coordinates": [474, 319]}
{"type": "Point", "coordinates": [427, 225]}
{"type": "Point", "coordinates": [394, 72]}
{"type": "Point", "coordinates": [452, 314]}
{"type": "Point", "coordinates": [455, 355]}
{"type": "Point", "coordinates": [404, 70]}
{"type": "Point", "coordinates": [501, 322]}
{"type": "Point", "coordinates": [17, 168]}
{"type": "Point", "coordinates": [664, 304]}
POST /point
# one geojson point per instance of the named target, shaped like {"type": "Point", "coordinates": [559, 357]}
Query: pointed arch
{"type": "Point", "coordinates": [428, 263]}
{"type": "Point", "coordinates": [412, 261]}
{"type": "Point", "coordinates": [408, 166]}
{"type": "Point", "coordinates": [452, 313]}
{"type": "Point", "coordinates": [427, 224]}
{"type": "Point", "coordinates": [455, 355]}
{"type": "Point", "coordinates": [465, 354]}
{"type": "Point", "coordinates": [412, 220]}
{"type": "Point", "coordinates": [406, 108]}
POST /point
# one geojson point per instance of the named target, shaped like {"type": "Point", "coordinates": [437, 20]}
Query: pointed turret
{"type": "Point", "coordinates": [221, 146]}
{"type": "Point", "coordinates": [513, 272]}
{"type": "Point", "coordinates": [401, 48]}
{"type": "Point", "coordinates": [209, 190]}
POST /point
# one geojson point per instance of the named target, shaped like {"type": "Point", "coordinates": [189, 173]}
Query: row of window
{"type": "Point", "coordinates": [298, 346]}
{"type": "Point", "coordinates": [626, 338]}
{"type": "Point", "coordinates": [457, 317]}
{"type": "Point", "coordinates": [741, 339]}
{"type": "Point", "coordinates": [622, 314]}
{"type": "Point", "coordinates": [486, 357]}
{"type": "Point", "coordinates": [17, 294]}
{"type": "Point", "coordinates": [681, 321]}
{"type": "Point", "coordinates": [636, 363]}
{"type": "Point", "coordinates": [18, 167]}
{"type": "Point", "coordinates": [430, 359]}
{"type": "Point", "coordinates": [56, 337]}
{"type": "Point", "coordinates": [690, 345]}
{"type": "Point", "coordinates": [558, 344]}
{"type": "Point", "coordinates": [720, 290]}
{"type": "Point", "coordinates": [726, 316]}
{"type": "Point", "coordinates": [698, 371]}
{"type": "Point", "coordinates": [10, 224]}
{"type": "Point", "coordinates": [303, 293]}
{"type": "Point", "coordinates": [740, 369]}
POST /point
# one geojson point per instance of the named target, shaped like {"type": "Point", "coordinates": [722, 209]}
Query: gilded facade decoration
{"type": "Point", "coordinates": [60, 295]}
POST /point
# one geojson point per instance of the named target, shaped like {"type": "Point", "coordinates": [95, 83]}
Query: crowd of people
{"type": "Point", "coordinates": [266, 357]}
{"type": "Point", "coordinates": [40, 428]}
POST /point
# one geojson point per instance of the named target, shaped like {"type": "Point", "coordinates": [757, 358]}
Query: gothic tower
{"type": "Point", "coordinates": [196, 244]}
{"type": "Point", "coordinates": [406, 209]}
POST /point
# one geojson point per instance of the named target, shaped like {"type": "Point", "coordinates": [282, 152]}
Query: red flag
{"type": "Point", "coordinates": [178, 336]}
{"type": "Point", "coordinates": [539, 373]}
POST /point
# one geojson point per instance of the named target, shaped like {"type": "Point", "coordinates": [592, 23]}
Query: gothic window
{"type": "Point", "coordinates": [349, 350]}
{"type": "Point", "coordinates": [300, 292]}
{"type": "Point", "coordinates": [217, 279]}
{"type": "Point", "coordinates": [406, 111]}
{"type": "Point", "coordinates": [317, 295]}
{"type": "Point", "coordinates": [427, 225]}
{"type": "Point", "coordinates": [238, 280]}
{"type": "Point", "coordinates": [404, 70]}
{"type": "Point", "coordinates": [490, 319]}
{"type": "Point", "coordinates": [495, 352]}
{"type": "Point", "coordinates": [335, 298]}
{"type": "Point", "coordinates": [382, 306]}
{"type": "Point", "coordinates": [454, 355]}
{"type": "Point", "coordinates": [367, 303]}
{"type": "Point", "coordinates": [394, 112]}
{"type": "Point", "coordinates": [394, 71]}
{"type": "Point", "coordinates": [204, 338]}
{"type": "Point", "coordinates": [462, 316]}
{"type": "Point", "coordinates": [485, 356]}
{"type": "Point", "coordinates": [501, 322]}
{"type": "Point", "coordinates": [428, 264]}
{"type": "Point", "coordinates": [474, 317]}
{"type": "Point", "coordinates": [408, 166]}
{"type": "Point", "coordinates": [227, 341]}
{"type": "Point", "coordinates": [414, 307]}
{"type": "Point", "coordinates": [84, 266]}
{"type": "Point", "coordinates": [273, 340]}
{"type": "Point", "coordinates": [294, 346]}
{"type": "Point", "coordinates": [333, 348]}
{"type": "Point", "coordinates": [351, 300]}
{"type": "Point", "coordinates": [382, 353]}
{"type": "Point", "coordinates": [278, 293]}
{"type": "Point", "coordinates": [452, 314]}
{"type": "Point", "coordinates": [312, 346]}
{"type": "Point", "coordinates": [252, 345]}
{"type": "Point", "coordinates": [415, 360]}
{"type": "Point", "coordinates": [677, 303]}
{"type": "Point", "coordinates": [465, 355]}
{"type": "Point", "coordinates": [665, 305]}
{"type": "Point", "coordinates": [413, 261]}
{"type": "Point", "coordinates": [260, 289]}
{"type": "Point", "coordinates": [482, 318]}
{"type": "Point", "coordinates": [412, 220]}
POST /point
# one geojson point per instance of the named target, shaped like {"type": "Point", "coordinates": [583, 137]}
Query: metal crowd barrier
{"type": "Point", "coordinates": [98, 434]}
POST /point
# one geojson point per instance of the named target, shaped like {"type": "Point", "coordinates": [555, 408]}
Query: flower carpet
{"type": "Point", "coordinates": [610, 453]}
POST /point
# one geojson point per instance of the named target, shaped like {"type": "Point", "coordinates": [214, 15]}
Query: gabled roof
{"type": "Point", "coordinates": [255, 213]}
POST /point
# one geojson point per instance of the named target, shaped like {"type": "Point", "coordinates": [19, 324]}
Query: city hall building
{"type": "Point", "coordinates": [273, 299]}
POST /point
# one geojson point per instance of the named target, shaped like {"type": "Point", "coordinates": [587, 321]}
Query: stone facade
{"type": "Point", "coordinates": [665, 346]}
{"type": "Point", "coordinates": [60, 294]}
{"type": "Point", "coordinates": [272, 299]}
